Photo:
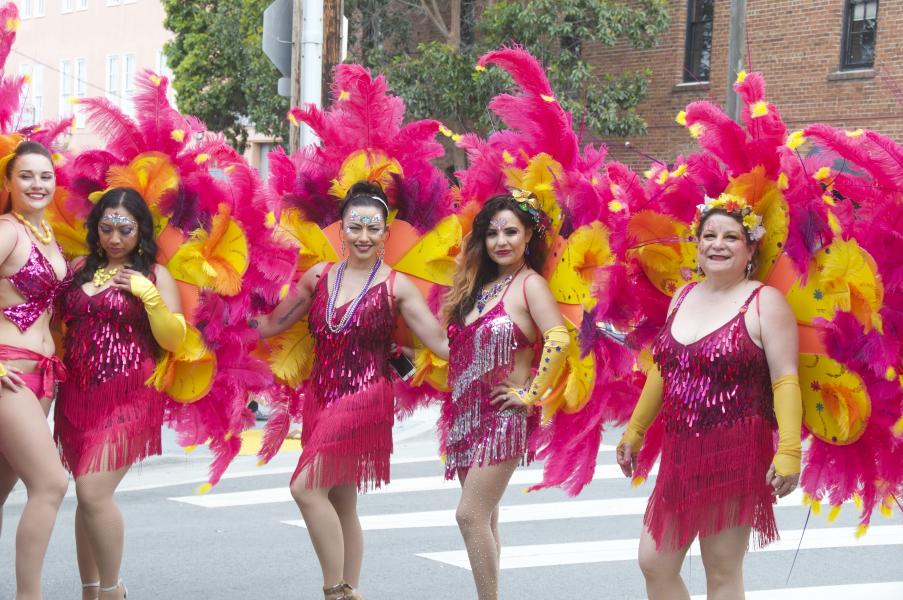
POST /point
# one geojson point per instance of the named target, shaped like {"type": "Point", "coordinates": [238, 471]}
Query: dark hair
{"type": "Point", "coordinates": [24, 148]}
{"type": "Point", "coordinates": [476, 268]}
{"type": "Point", "coordinates": [131, 201]}
{"type": "Point", "coordinates": [365, 193]}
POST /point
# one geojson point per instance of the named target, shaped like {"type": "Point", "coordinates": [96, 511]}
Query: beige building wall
{"type": "Point", "coordinates": [85, 48]}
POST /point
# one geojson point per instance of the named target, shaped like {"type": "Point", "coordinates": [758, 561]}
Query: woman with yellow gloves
{"type": "Point", "coordinates": [725, 370]}
{"type": "Point", "coordinates": [120, 314]}
{"type": "Point", "coordinates": [502, 323]}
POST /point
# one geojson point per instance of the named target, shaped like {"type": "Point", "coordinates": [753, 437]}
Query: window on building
{"type": "Point", "coordinates": [128, 83]}
{"type": "Point", "coordinates": [112, 86]}
{"type": "Point", "coordinates": [112, 2]}
{"type": "Point", "coordinates": [37, 92]}
{"type": "Point", "coordinates": [81, 87]}
{"type": "Point", "coordinates": [26, 110]}
{"type": "Point", "coordinates": [698, 52]}
{"type": "Point", "coordinates": [27, 8]}
{"type": "Point", "coordinates": [65, 87]}
{"type": "Point", "coordinates": [81, 5]}
{"type": "Point", "coordinates": [38, 7]}
{"type": "Point", "coordinates": [68, 6]}
{"type": "Point", "coordinates": [860, 32]}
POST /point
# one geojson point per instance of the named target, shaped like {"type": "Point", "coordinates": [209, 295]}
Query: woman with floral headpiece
{"type": "Point", "coordinates": [349, 399]}
{"type": "Point", "coordinates": [502, 324]}
{"type": "Point", "coordinates": [725, 374]}
{"type": "Point", "coordinates": [33, 273]}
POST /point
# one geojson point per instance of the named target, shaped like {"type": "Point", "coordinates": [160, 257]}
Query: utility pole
{"type": "Point", "coordinates": [736, 55]}
{"type": "Point", "coordinates": [294, 135]}
{"type": "Point", "coordinates": [332, 43]}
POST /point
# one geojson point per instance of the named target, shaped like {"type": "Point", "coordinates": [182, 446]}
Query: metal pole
{"type": "Point", "coordinates": [736, 55]}
{"type": "Point", "coordinates": [294, 134]}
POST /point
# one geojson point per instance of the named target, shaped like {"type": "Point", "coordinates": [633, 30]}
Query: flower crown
{"type": "Point", "coordinates": [528, 203]}
{"type": "Point", "coordinates": [734, 205]}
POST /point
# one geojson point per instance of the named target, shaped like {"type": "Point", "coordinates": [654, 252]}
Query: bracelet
{"type": "Point", "coordinates": [3, 371]}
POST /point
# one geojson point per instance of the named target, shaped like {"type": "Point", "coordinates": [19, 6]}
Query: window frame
{"type": "Point", "coordinates": [847, 39]}
{"type": "Point", "coordinates": [691, 24]}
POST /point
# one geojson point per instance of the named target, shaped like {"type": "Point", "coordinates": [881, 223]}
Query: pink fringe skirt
{"type": "Point", "coordinates": [110, 425]}
{"type": "Point", "coordinates": [711, 482]}
{"type": "Point", "coordinates": [349, 440]}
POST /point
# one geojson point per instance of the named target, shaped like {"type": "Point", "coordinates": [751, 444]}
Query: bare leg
{"type": "Point", "coordinates": [8, 479]}
{"type": "Point", "coordinates": [87, 565]}
{"type": "Point", "coordinates": [662, 570]}
{"type": "Point", "coordinates": [481, 493]}
{"type": "Point", "coordinates": [28, 447]}
{"type": "Point", "coordinates": [103, 526]}
{"type": "Point", "coordinates": [344, 500]}
{"type": "Point", "coordinates": [722, 557]}
{"type": "Point", "coordinates": [324, 528]}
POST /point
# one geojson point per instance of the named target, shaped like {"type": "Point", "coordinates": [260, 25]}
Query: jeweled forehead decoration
{"type": "Point", "coordinates": [735, 205]}
{"type": "Point", "coordinates": [116, 219]}
{"type": "Point", "coordinates": [498, 222]}
{"type": "Point", "coordinates": [356, 217]}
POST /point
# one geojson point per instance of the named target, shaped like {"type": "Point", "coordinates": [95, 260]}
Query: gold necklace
{"type": "Point", "coordinates": [44, 238]}
{"type": "Point", "coordinates": [101, 276]}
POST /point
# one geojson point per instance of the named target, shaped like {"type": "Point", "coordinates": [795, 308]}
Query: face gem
{"type": "Point", "coordinates": [117, 219]}
{"type": "Point", "coordinates": [356, 217]}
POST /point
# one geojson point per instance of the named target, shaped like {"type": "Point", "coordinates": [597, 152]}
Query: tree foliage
{"type": "Point", "coordinates": [221, 73]}
{"type": "Point", "coordinates": [438, 80]}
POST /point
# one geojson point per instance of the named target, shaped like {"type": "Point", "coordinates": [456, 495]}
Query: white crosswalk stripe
{"type": "Point", "coordinates": [413, 518]}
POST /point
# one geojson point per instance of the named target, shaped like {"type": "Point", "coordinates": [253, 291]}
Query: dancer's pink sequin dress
{"type": "Point", "coordinates": [481, 356]}
{"type": "Point", "coordinates": [106, 417]}
{"type": "Point", "coordinates": [718, 418]}
{"type": "Point", "coordinates": [349, 401]}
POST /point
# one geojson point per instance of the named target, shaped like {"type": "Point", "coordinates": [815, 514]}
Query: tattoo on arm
{"type": "Point", "coordinates": [298, 305]}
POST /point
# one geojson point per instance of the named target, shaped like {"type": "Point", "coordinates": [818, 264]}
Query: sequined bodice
{"type": "Point", "coordinates": [719, 379]}
{"type": "Point", "coordinates": [359, 354]}
{"type": "Point", "coordinates": [483, 350]}
{"type": "Point", "coordinates": [37, 283]}
{"type": "Point", "coordinates": [107, 334]}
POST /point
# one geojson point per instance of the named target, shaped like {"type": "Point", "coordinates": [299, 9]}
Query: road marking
{"type": "Point", "coordinates": [602, 551]}
{"type": "Point", "coordinates": [398, 486]}
{"type": "Point", "coordinates": [519, 513]}
{"type": "Point", "coordinates": [892, 590]}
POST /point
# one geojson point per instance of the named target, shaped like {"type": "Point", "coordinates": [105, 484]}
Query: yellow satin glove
{"type": "Point", "coordinates": [430, 369]}
{"type": "Point", "coordinates": [647, 408]}
{"type": "Point", "coordinates": [554, 355]}
{"type": "Point", "coordinates": [3, 371]}
{"type": "Point", "coordinates": [788, 408]}
{"type": "Point", "coordinates": [169, 328]}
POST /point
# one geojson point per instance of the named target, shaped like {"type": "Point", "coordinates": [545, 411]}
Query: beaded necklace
{"type": "Point", "coordinates": [330, 305]}
{"type": "Point", "coordinates": [484, 297]}
{"type": "Point", "coordinates": [44, 238]}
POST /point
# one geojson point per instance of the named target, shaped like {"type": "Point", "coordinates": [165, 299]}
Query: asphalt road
{"type": "Point", "coordinates": [244, 540]}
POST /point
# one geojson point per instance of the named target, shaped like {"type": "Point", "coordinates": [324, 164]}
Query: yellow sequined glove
{"type": "Point", "coordinates": [554, 355]}
{"type": "Point", "coordinates": [788, 408]}
{"type": "Point", "coordinates": [169, 328]}
{"type": "Point", "coordinates": [646, 410]}
{"type": "Point", "coordinates": [3, 371]}
{"type": "Point", "coordinates": [430, 369]}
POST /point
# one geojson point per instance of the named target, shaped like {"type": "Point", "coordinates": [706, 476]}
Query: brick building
{"type": "Point", "coordinates": [833, 61]}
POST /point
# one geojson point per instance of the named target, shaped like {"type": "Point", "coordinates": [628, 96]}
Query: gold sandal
{"type": "Point", "coordinates": [347, 592]}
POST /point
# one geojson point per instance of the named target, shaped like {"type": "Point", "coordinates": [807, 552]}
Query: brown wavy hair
{"type": "Point", "coordinates": [476, 268]}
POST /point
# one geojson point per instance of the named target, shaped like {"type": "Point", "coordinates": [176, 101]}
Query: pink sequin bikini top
{"type": "Point", "coordinates": [720, 378]}
{"type": "Point", "coordinates": [483, 349]}
{"type": "Point", "coordinates": [36, 281]}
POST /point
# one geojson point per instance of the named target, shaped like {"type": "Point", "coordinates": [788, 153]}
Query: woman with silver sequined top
{"type": "Point", "coordinates": [349, 400]}
{"type": "Point", "coordinates": [725, 374]}
{"type": "Point", "coordinates": [495, 311]}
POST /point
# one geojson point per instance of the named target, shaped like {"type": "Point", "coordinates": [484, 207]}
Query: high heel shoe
{"type": "Point", "coordinates": [113, 588]}
{"type": "Point", "coordinates": [341, 591]}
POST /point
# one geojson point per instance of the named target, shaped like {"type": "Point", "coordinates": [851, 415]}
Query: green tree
{"type": "Point", "coordinates": [221, 73]}
{"type": "Point", "coordinates": [438, 79]}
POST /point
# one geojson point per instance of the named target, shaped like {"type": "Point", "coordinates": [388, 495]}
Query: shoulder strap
{"type": "Point", "coordinates": [524, 290]}
{"type": "Point", "coordinates": [390, 284]}
{"type": "Point", "coordinates": [752, 296]}
{"type": "Point", "coordinates": [681, 298]}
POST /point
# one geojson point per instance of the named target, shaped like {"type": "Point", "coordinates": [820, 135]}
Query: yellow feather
{"type": "Point", "coordinates": [431, 257]}
{"type": "Point", "coordinates": [587, 250]}
{"type": "Point", "coordinates": [313, 247]}
{"type": "Point", "coordinates": [365, 165]}
{"type": "Point", "coordinates": [291, 354]}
